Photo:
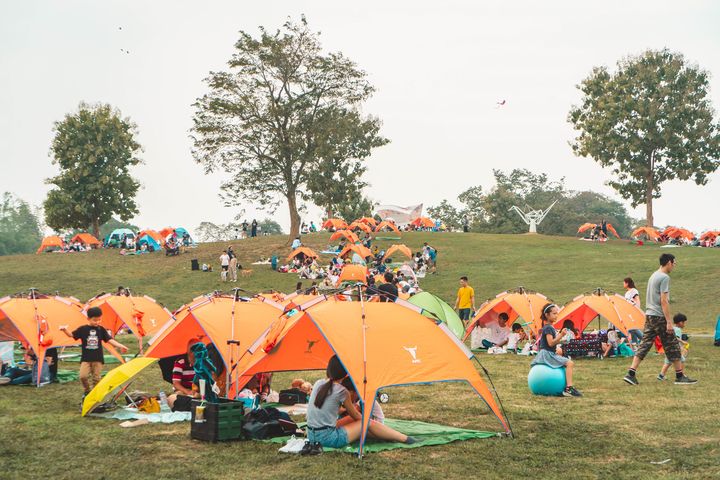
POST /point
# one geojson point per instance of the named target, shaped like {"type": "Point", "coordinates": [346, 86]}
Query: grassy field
{"type": "Point", "coordinates": [614, 431]}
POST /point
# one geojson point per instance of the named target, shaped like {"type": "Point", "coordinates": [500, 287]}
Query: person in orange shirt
{"type": "Point", "coordinates": [465, 301]}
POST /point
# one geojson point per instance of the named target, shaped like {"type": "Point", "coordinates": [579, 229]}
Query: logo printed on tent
{"type": "Point", "coordinates": [310, 344]}
{"type": "Point", "coordinates": [413, 353]}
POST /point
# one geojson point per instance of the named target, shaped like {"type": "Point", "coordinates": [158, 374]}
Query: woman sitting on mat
{"type": "Point", "coordinates": [182, 381]}
{"type": "Point", "coordinates": [324, 405]}
{"type": "Point", "coordinates": [549, 340]}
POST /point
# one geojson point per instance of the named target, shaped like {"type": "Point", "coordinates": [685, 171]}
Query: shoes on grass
{"type": "Point", "coordinates": [632, 380]}
{"type": "Point", "coordinates": [311, 448]}
{"type": "Point", "coordinates": [685, 380]}
{"type": "Point", "coordinates": [293, 445]}
{"type": "Point", "coordinates": [571, 392]}
{"type": "Point", "coordinates": [661, 377]}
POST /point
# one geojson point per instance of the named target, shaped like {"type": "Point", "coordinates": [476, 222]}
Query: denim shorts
{"type": "Point", "coordinates": [329, 437]}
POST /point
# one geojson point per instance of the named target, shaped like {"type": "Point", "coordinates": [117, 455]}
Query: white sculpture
{"type": "Point", "coordinates": [533, 217]}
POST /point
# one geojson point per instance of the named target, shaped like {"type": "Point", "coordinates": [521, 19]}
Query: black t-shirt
{"type": "Point", "coordinates": [547, 329]}
{"type": "Point", "coordinates": [92, 338]}
{"type": "Point", "coordinates": [388, 292]}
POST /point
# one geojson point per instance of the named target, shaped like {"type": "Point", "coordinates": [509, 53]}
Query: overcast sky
{"type": "Point", "coordinates": [439, 69]}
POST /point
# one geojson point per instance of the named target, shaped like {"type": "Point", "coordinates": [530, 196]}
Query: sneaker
{"type": "Point", "coordinates": [311, 448]}
{"type": "Point", "coordinates": [4, 380]}
{"type": "Point", "coordinates": [632, 380]}
{"type": "Point", "coordinates": [661, 377]}
{"type": "Point", "coordinates": [571, 392]}
{"type": "Point", "coordinates": [293, 445]}
{"type": "Point", "coordinates": [685, 380]}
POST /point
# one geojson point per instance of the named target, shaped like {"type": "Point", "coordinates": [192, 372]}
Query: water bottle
{"type": "Point", "coordinates": [164, 407]}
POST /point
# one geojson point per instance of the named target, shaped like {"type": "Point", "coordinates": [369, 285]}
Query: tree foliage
{"type": "Point", "coordinates": [20, 230]}
{"type": "Point", "coordinates": [268, 226]}
{"type": "Point", "coordinates": [280, 111]}
{"type": "Point", "coordinates": [489, 212]}
{"type": "Point", "coordinates": [94, 148]}
{"type": "Point", "coordinates": [649, 122]}
{"type": "Point", "coordinates": [113, 224]}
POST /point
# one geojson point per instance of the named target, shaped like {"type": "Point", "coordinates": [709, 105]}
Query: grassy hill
{"type": "Point", "coordinates": [614, 431]}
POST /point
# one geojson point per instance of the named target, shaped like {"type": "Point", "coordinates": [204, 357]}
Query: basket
{"type": "Point", "coordinates": [222, 421]}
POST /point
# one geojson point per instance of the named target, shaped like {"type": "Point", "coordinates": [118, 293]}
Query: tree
{"type": "Point", "coordinates": [20, 230]}
{"type": "Point", "coordinates": [270, 227]}
{"type": "Point", "coordinates": [95, 149]}
{"type": "Point", "coordinates": [447, 214]}
{"type": "Point", "coordinates": [651, 121]}
{"type": "Point", "coordinates": [281, 109]}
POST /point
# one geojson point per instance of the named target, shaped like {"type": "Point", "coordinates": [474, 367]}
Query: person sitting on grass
{"type": "Point", "coordinates": [21, 376]}
{"type": "Point", "coordinates": [182, 381]}
{"type": "Point", "coordinates": [549, 340]}
{"type": "Point", "coordinates": [519, 340]}
{"type": "Point", "coordinates": [571, 333]}
{"type": "Point", "coordinates": [327, 397]}
{"type": "Point", "coordinates": [499, 332]}
{"type": "Point", "coordinates": [679, 320]}
{"type": "Point", "coordinates": [92, 337]}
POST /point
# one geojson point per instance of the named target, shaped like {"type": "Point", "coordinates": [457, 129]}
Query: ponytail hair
{"type": "Point", "coordinates": [335, 371]}
{"type": "Point", "coordinates": [546, 308]}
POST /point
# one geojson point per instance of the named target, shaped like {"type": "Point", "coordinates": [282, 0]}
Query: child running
{"type": "Point", "coordinates": [679, 321]}
{"type": "Point", "coordinates": [549, 339]}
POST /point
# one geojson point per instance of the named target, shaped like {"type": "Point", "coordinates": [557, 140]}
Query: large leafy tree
{"type": "Point", "coordinates": [20, 230]}
{"type": "Point", "coordinates": [281, 109]}
{"type": "Point", "coordinates": [650, 121]}
{"type": "Point", "coordinates": [94, 148]}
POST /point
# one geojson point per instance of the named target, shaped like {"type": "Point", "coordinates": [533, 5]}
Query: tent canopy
{"type": "Point", "coordinates": [166, 231]}
{"type": "Point", "coordinates": [361, 250]}
{"type": "Point", "coordinates": [649, 232]}
{"type": "Point", "coordinates": [357, 225]}
{"type": "Point", "coordinates": [389, 225]}
{"type": "Point", "coordinates": [307, 251]}
{"type": "Point", "coordinates": [367, 221]}
{"type": "Point", "coordinates": [519, 303]}
{"type": "Point", "coordinates": [432, 304]}
{"type": "Point", "coordinates": [180, 231]}
{"type": "Point", "coordinates": [423, 222]}
{"type": "Point", "coordinates": [50, 242]}
{"type": "Point", "coordinates": [674, 232]}
{"type": "Point", "coordinates": [334, 223]}
{"type": "Point", "coordinates": [116, 236]}
{"type": "Point", "coordinates": [379, 344]}
{"type": "Point", "coordinates": [85, 239]}
{"type": "Point", "coordinates": [353, 273]}
{"type": "Point", "coordinates": [614, 308]}
{"type": "Point", "coordinates": [349, 236]}
{"type": "Point", "coordinates": [405, 250]}
{"type": "Point", "coordinates": [587, 226]}
{"type": "Point", "coordinates": [142, 315]}
{"type": "Point", "coordinates": [149, 241]}
{"type": "Point", "coordinates": [155, 235]}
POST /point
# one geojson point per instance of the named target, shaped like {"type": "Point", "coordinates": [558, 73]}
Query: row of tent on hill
{"type": "Point", "coordinates": [668, 234]}
{"type": "Point", "coordinates": [381, 344]}
{"type": "Point", "coordinates": [118, 238]}
{"type": "Point", "coordinates": [371, 225]}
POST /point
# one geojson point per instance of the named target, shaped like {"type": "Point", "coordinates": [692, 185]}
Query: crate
{"type": "Point", "coordinates": [223, 421]}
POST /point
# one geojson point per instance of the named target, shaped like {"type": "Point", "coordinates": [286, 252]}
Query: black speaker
{"type": "Point", "coordinates": [194, 265]}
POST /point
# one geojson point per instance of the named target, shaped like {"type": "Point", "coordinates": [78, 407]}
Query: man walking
{"type": "Point", "coordinates": [658, 323]}
{"type": "Point", "coordinates": [465, 301]}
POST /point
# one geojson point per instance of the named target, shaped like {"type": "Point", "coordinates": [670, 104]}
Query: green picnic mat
{"type": "Point", "coordinates": [108, 358]}
{"type": "Point", "coordinates": [426, 434]}
{"type": "Point", "coordinates": [66, 376]}
{"type": "Point", "coordinates": [387, 238]}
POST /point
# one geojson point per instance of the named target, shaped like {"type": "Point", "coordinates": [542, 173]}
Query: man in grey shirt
{"type": "Point", "coordinates": [658, 323]}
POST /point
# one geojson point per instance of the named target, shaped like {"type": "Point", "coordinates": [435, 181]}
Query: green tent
{"type": "Point", "coordinates": [431, 303]}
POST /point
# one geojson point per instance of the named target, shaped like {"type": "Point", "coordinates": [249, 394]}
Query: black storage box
{"type": "Point", "coordinates": [223, 421]}
{"type": "Point", "coordinates": [194, 264]}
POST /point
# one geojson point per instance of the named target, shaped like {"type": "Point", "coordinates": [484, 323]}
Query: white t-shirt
{"type": "Point", "coordinates": [513, 340]}
{"type": "Point", "coordinates": [631, 294]}
{"type": "Point", "coordinates": [497, 333]}
{"type": "Point", "coordinates": [224, 260]}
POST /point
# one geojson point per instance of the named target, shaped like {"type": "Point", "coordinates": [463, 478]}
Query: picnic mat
{"type": "Point", "coordinates": [426, 434]}
{"type": "Point", "coordinates": [128, 413]}
{"type": "Point", "coordinates": [66, 376]}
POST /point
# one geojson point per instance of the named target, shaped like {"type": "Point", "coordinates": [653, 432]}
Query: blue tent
{"type": "Point", "coordinates": [180, 231]}
{"type": "Point", "coordinates": [150, 242]}
{"type": "Point", "coordinates": [115, 238]}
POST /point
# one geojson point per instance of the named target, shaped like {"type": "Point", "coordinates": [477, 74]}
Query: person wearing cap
{"type": "Point", "coordinates": [549, 339]}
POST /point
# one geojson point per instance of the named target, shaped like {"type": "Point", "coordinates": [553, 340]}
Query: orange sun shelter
{"type": "Point", "coordinates": [404, 249]}
{"type": "Point", "coordinates": [522, 304]}
{"type": "Point", "coordinates": [587, 226]}
{"type": "Point", "coordinates": [649, 232]}
{"type": "Point", "coordinates": [36, 322]}
{"type": "Point", "coordinates": [49, 242]}
{"type": "Point", "coordinates": [157, 236]}
{"type": "Point", "coordinates": [422, 222]}
{"type": "Point", "coordinates": [86, 239]}
{"type": "Point", "coordinates": [386, 224]}
{"type": "Point", "coordinates": [308, 252]}
{"type": "Point", "coordinates": [367, 221]}
{"type": "Point", "coordinates": [334, 223]}
{"type": "Point", "coordinates": [353, 273]}
{"type": "Point", "coordinates": [357, 225]}
{"type": "Point", "coordinates": [349, 236]}
{"type": "Point", "coordinates": [361, 250]}
{"type": "Point", "coordinates": [614, 308]}
{"type": "Point", "coordinates": [381, 345]}
{"type": "Point", "coordinates": [142, 315]}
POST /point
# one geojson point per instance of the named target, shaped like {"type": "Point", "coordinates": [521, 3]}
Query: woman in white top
{"type": "Point", "coordinates": [633, 296]}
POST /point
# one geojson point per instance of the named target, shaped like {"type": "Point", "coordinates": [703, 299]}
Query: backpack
{"type": "Point", "coordinates": [267, 422]}
{"type": "Point", "coordinates": [293, 396]}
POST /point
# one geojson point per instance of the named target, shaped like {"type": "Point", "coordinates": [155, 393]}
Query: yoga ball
{"type": "Point", "coordinates": [544, 380]}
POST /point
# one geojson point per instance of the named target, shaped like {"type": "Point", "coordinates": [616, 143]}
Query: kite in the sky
{"type": "Point", "coordinates": [500, 104]}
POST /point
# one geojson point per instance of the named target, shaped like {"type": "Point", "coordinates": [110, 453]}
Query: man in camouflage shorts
{"type": "Point", "coordinates": [658, 323]}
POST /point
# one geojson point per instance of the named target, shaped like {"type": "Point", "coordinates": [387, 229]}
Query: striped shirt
{"type": "Point", "coordinates": [183, 373]}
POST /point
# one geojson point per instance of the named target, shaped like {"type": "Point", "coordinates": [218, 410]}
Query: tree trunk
{"type": "Point", "coordinates": [649, 192]}
{"type": "Point", "coordinates": [294, 217]}
{"type": "Point", "coordinates": [96, 229]}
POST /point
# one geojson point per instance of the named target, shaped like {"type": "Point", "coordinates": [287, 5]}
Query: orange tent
{"type": "Point", "coordinates": [350, 236]}
{"type": "Point", "coordinates": [335, 223]}
{"type": "Point", "coordinates": [710, 234]}
{"type": "Point", "coordinates": [228, 322]}
{"type": "Point", "coordinates": [380, 345]}
{"type": "Point", "coordinates": [398, 248]}
{"type": "Point", "coordinates": [157, 236]}
{"type": "Point", "coordinates": [361, 250]}
{"type": "Point", "coordinates": [367, 221]}
{"type": "Point", "coordinates": [36, 320]}
{"type": "Point", "coordinates": [165, 232]}
{"type": "Point", "coordinates": [614, 308]}
{"type": "Point", "coordinates": [357, 225]}
{"type": "Point", "coordinates": [518, 303]}
{"type": "Point", "coordinates": [674, 232]}
{"type": "Point", "coordinates": [422, 222]}
{"type": "Point", "coordinates": [309, 252]}
{"type": "Point", "coordinates": [86, 239]}
{"type": "Point", "coordinates": [587, 226]}
{"type": "Point", "coordinates": [353, 273]}
{"type": "Point", "coordinates": [142, 315]}
{"type": "Point", "coordinates": [386, 224]}
{"type": "Point", "coordinates": [649, 232]}
{"type": "Point", "coordinates": [52, 241]}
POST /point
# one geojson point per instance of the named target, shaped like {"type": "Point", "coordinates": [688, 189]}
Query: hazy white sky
{"type": "Point", "coordinates": [439, 68]}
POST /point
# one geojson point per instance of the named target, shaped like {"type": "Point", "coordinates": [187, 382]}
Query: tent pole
{"type": "Point", "coordinates": [363, 435]}
{"type": "Point", "coordinates": [502, 407]}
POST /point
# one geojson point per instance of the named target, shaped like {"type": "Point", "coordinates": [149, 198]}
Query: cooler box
{"type": "Point", "coordinates": [222, 421]}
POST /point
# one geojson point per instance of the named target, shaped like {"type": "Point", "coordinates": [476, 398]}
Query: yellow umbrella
{"type": "Point", "coordinates": [115, 378]}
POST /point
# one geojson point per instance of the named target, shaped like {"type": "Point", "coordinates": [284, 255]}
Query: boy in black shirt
{"type": "Point", "coordinates": [92, 335]}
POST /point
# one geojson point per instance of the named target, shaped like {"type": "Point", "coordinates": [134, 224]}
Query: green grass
{"type": "Point", "coordinates": [614, 431]}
